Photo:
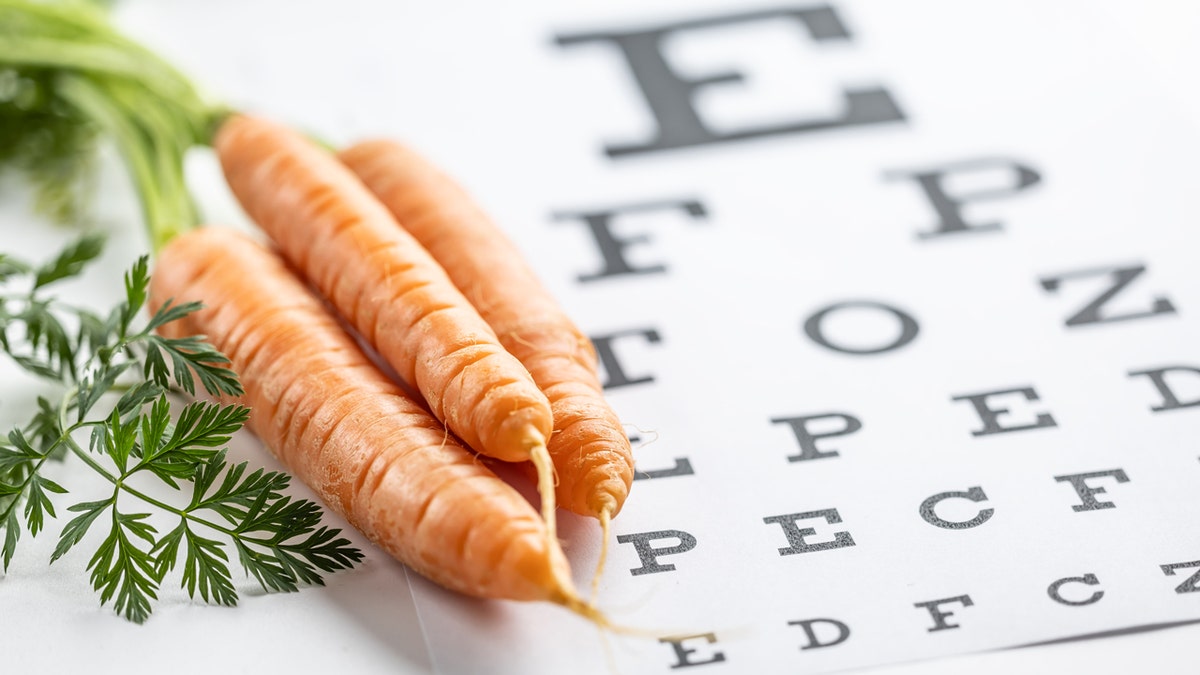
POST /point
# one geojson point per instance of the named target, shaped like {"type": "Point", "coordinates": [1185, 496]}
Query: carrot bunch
{"type": "Point", "coordinates": [487, 378]}
{"type": "Point", "coordinates": [379, 241]}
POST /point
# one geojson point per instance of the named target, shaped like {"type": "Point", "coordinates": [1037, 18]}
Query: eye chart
{"type": "Point", "coordinates": [913, 345]}
{"type": "Point", "coordinates": [897, 299]}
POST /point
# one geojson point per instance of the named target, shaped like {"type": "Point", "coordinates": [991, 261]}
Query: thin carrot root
{"type": "Point", "coordinates": [593, 613]}
{"type": "Point", "coordinates": [642, 431]}
{"type": "Point", "coordinates": [540, 457]}
{"type": "Point", "coordinates": [566, 596]}
{"type": "Point", "coordinates": [586, 609]}
{"type": "Point", "coordinates": [605, 523]}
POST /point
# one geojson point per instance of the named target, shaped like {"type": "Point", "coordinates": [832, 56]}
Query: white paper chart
{"type": "Point", "coordinates": [897, 299]}
{"type": "Point", "coordinates": [914, 342]}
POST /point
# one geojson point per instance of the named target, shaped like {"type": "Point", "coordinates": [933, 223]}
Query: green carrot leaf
{"type": "Point", "coordinates": [137, 281]}
{"type": "Point", "coordinates": [71, 261]}
{"type": "Point", "coordinates": [122, 570]}
{"type": "Point", "coordinates": [116, 381]}
{"type": "Point", "coordinates": [78, 526]}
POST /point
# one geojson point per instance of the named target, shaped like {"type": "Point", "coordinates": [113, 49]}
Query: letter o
{"type": "Point", "coordinates": [908, 327]}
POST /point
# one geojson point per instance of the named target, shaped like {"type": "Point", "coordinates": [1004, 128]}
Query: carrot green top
{"type": "Point", "coordinates": [68, 78]}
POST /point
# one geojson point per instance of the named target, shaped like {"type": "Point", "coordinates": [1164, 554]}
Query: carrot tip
{"type": "Point", "coordinates": [605, 521]}
{"type": "Point", "coordinates": [540, 457]}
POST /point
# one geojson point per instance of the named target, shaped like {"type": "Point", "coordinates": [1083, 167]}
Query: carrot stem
{"type": "Point", "coordinates": [161, 223]}
{"type": "Point", "coordinates": [85, 70]}
{"type": "Point", "coordinates": [88, 58]}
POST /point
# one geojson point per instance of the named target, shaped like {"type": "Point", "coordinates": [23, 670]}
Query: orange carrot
{"type": "Point", "coordinates": [589, 446]}
{"type": "Point", "coordinates": [370, 452]}
{"type": "Point", "coordinates": [388, 287]}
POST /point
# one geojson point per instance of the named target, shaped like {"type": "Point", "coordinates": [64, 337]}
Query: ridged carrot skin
{"type": "Point", "coordinates": [367, 449]}
{"type": "Point", "coordinates": [337, 234]}
{"type": "Point", "coordinates": [589, 446]}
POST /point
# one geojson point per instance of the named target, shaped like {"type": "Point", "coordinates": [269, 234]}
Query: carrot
{"type": "Point", "coordinates": [589, 446]}
{"type": "Point", "coordinates": [387, 286]}
{"type": "Point", "coordinates": [367, 449]}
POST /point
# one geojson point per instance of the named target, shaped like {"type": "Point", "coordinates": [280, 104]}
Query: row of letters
{"type": "Point", "coordinates": [940, 615]}
{"type": "Point", "coordinates": [1114, 280]}
{"type": "Point", "coordinates": [799, 527]}
{"type": "Point", "coordinates": [994, 409]}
